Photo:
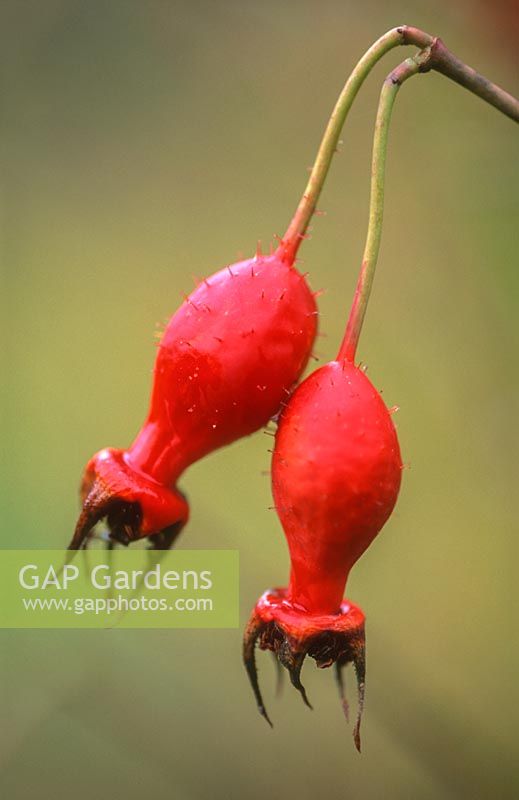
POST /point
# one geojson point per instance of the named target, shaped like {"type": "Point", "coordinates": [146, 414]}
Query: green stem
{"type": "Point", "coordinates": [438, 58]}
{"type": "Point", "coordinates": [390, 87]}
{"type": "Point", "coordinates": [301, 219]}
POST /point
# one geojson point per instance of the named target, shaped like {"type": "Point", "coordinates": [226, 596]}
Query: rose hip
{"type": "Point", "coordinates": [336, 472]}
{"type": "Point", "coordinates": [225, 363]}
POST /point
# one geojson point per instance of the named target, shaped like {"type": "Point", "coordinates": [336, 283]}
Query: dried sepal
{"type": "Point", "coordinates": [336, 640]}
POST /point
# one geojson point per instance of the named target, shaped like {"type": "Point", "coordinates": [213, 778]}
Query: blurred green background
{"type": "Point", "coordinates": [146, 142]}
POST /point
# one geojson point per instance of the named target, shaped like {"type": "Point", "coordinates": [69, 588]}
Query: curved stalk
{"type": "Point", "coordinates": [390, 88]}
{"type": "Point", "coordinates": [439, 58]}
{"type": "Point", "coordinates": [301, 219]}
{"type": "Point", "coordinates": [436, 56]}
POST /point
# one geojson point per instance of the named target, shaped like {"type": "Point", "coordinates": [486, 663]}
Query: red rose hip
{"type": "Point", "coordinates": [336, 473]}
{"type": "Point", "coordinates": [225, 363]}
